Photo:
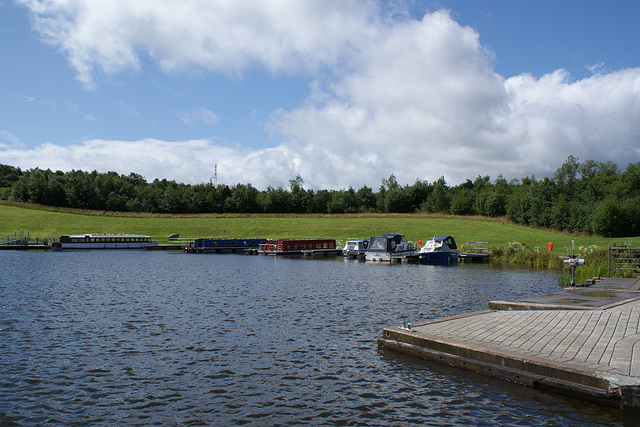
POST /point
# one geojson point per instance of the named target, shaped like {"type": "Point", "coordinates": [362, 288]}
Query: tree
{"type": "Point", "coordinates": [9, 175]}
{"type": "Point", "coordinates": [365, 200]}
{"type": "Point", "coordinates": [439, 199]}
{"type": "Point", "coordinates": [462, 202]}
{"type": "Point", "coordinates": [343, 201]}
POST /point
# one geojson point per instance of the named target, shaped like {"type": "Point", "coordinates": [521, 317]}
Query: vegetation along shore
{"type": "Point", "coordinates": [592, 204]}
{"type": "Point", "coordinates": [510, 243]}
{"type": "Point", "coordinates": [585, 197]}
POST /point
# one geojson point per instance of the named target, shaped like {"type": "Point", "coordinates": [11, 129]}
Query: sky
{"type": "Point", "coordinates": [342, 93]}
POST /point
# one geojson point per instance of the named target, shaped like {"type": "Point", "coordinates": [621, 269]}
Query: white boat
{"type": "Point", "coordinates": [385, 246]}
{"type": "Point", "coordinates": [103, 241]}
{"type": "Point", "coordinates": [355, 248]}
{"type": "Point", "coordinates": [440, 249]}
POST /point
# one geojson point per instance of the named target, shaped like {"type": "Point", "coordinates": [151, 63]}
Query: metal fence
{"type": "Point", "coordinates": [623, 261]}
{"type": "Point", "coordinates": [14, 239]}
{"type": "Point", "coordinates": [24, 239]}
{"type": "Point", "coordinates": [477, 247]}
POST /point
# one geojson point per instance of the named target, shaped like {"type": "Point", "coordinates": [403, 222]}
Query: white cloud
{"type": "Point", "coordinates": [419, 99]}
{"type": "Point", "coordinates": [218, 35]}
{"type": "Point", "coordinates": [198, 115]}
{"type": "Point", "coordinates": [184, 161]}
{"type": "Point", "coordinates": [9, 140]}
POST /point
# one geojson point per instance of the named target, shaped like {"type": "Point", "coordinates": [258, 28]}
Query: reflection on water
{"type": "Point", "coordinates": [168, 338]}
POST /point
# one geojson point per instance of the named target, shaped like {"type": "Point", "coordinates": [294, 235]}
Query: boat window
{"type": "Point", "coordinates": [378, 244]}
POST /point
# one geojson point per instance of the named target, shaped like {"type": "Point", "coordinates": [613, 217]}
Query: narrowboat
{"type": "Point", "coordinates": [386, 246]}
{"type": "Point", "coordinates": [224, 245]}
{"type": "Point", "coordinates": [441, 249]}
{"type": "Point", "coordinates": [297, 246]}
{"type": "Point", "coordinates": [355, 248]}
{"type": "Point", "coordinates": [103, 241]}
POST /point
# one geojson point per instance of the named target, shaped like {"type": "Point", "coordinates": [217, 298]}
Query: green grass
{"type": "Point", "coordinates": [49, 222]}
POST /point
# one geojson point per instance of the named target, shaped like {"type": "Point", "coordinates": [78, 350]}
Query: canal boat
{"type": "Point", "coordinates": [224, 245]}
{"type": "Point", "coordinates": [298, 246]}
{"type": "Point", "coordinates": [387, 246]}
{"type": "Point", "coordinates": [355, 248]}
{"type": "Point", "coordinates": [103, 241]}
{"type": "Point", "coordinates": [441, 249]}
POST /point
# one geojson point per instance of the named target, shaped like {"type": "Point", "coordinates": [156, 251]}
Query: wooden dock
{"type": "Point", "coordinates": [581, 341]}
{"type": "Point", "coordinates": [473, 257]}
{"type": "Point", "coordinates": [23, 247]}
{"type": "Point", "coordinates": [319, 253]}
{"type": "Point", "coordinates": [405, 259]}
{"type": "Point", "coordinates": [166, 247]}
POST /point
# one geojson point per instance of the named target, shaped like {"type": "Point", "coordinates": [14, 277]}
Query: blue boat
{"type": "Point", "coordinates": [222, 245]}
{"type": "Point", "coordinates": [440, 249]}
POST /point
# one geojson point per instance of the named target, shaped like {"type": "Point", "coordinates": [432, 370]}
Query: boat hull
{"type": "Point", "coordinates": [132, 245]}
{"type": "Point", "coordinates": [438, 257]}
{"type": "Point", "coordinates": [385, 256]}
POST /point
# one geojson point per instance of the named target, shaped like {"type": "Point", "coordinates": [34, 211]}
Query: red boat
{"type": "Point", "coordinates": [297, 246]}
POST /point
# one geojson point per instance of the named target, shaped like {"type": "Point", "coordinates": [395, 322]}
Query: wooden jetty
{"type": "Point", "coordinates": [166, 247]}
{"type": "Point", "coordinates": [25, 247]}
{"type": "Point", "coordinates": [581, 341]}
{"type": "Point", "coordinates": [404, 259]}
{"type": "Point", "coordinates": [320, 253]}
{"type": "Point", "coordinates": [472, 257]}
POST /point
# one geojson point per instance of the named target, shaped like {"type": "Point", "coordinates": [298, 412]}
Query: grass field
{"type": "Point", "coordinates": [44, 222]}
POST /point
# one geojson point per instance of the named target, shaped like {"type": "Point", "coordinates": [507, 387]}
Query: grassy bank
{"type": "Point", "coordinates": [511, 243]}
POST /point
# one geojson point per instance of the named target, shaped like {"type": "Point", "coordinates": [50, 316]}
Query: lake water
{"type": "Point", "coordinates": [165, 338]}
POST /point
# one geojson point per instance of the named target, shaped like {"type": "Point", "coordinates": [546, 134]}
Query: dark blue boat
{"type": "Point", "coordinates": [223, 245]}
{"type": "Point", "coordinates": [440, 249]}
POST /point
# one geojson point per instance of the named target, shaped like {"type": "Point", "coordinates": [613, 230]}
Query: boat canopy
{"type": "Point", "coordinates": [384, 242]}
{"type": "Point", "coordinates": [448, 240]}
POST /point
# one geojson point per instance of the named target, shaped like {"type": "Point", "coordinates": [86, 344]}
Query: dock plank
{"type": "Point", "coordinates": [591, 347]}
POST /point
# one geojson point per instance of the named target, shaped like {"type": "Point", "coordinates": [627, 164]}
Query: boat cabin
{"type": "Point", "coordinates": [291, 246]}
{"type": "Point", "coordinates": [385, 243]}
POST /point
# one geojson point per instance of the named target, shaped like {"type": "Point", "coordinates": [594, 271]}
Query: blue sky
{"type": "Point", "coordinates": [342, 93]}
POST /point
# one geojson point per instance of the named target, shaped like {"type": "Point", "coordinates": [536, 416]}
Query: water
{"type": "Point", "coordinates": [157, 338]}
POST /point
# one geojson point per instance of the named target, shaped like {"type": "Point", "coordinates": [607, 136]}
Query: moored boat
{"type": "Point", "coordinates": [103, 241]}
{"type": "Point", "coordinates": [355, 248]}
{"type": "Point", "coordinates": [441, 249]}
{"type": "Point", "coordinates": [297, 246]}
{"type": "Point", "coordinates": [224, 245]}
{"type": "Point", "coordinates": [386, 246]}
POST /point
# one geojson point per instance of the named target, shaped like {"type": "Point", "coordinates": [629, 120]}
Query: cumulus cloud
{"type": "Point", "coordinates": [416, 98]}
{"type": "Point", "coordinates": [217, 35]}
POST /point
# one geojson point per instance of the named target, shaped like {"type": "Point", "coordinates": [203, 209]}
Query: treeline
{"type": "Point", "coordinates": [591, 197]}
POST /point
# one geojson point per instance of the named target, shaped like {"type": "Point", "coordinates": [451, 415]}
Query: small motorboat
{"type": "Point", "coordinates": [440, 249]}
{"type": "Point", "coordinates": [355, 248]}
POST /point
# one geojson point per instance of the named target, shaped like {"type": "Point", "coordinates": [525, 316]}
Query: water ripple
{"type": "Point", "coordinates": [164, 338]}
